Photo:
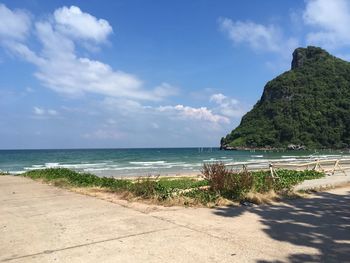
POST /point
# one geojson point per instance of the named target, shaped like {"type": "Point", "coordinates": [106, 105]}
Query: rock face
{"type": "Point", "coordinates": [308, 105]}
{"type": "Point", "coordinates": [309, 54]}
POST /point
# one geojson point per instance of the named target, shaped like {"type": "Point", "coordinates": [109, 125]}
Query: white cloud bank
{"type": "Point", "coordinates": [227, 106]}
{"type": "Point", "coordinates": [190, 113]}
{"type": "Point", "coordinates": [59, 67]}
{"type": "Point", "coordinates": [326, 23]}
{"type": "Point", "coordinates": [61, 37]}
{"type": "Point", "coordinates": [77, 24]}
{"type": "Point", "coordinates": [331, 20]}
{"type": "Point", "coordinates": [257, 36]}
{"type": "Point", "coordinates": [14, 24]}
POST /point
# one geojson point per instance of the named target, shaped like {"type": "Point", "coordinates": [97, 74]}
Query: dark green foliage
{"type": "Point", "coordinates": [233, 185]}
{"type": "Point", "coordinates": [308, 105]}
{"type": "Point", "coordinates": [287, 178]}
{"type": "Point", "coordinates": [78, 179]}
{"type": "Point", "coordinates": [202, 196]}
{"type": "Point", "coordinates": [145, 188]}
{"type": "Point", "coordinates": [182, 183]}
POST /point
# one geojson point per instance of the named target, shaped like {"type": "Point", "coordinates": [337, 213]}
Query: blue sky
{"type": "Point", "coordinates": [90, 74]}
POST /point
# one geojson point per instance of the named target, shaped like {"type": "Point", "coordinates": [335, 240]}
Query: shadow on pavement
{"type": "Point", "coordinates": [322, 223]}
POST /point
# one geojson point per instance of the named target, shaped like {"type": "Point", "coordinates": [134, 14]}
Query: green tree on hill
{"type": "Point", "coordinates": [307, 105]}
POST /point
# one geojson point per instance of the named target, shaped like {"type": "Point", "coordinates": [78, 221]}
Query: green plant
{"type": "Point", "coordinates": [235, 186]}
{"type": "Point", "coordinates": [73, 178]}
{"type": "Point", "coordinates": [202, 196]}
{"type": "Point", "coordinates": [145, 188]}
{"type": "Point", "coordinates": [216, 174]}
{"type": "Point", "coordinates": [308, 105]}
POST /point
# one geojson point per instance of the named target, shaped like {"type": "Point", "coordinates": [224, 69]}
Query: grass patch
{"type": "Point", "coordinates": [219, 186]}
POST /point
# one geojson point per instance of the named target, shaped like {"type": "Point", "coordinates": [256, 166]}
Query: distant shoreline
{"type": "Point", "coordinates": [229, 148]}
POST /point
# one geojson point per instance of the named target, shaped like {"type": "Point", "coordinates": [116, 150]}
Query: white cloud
{"type": "Point", "coordinates": [218, 98]}
{"type": "Point", "coordinates": [61, 69]}
{"type": "Point", "coordinates": [258, 37]}
{"type": "Point", "coordinates": [165, 90]}
{"type": "Point", "coordinates": [227, 106]}
{"type": "Point", "coordinates": [44, 112]}
{"type": "Point", "coordinates": [77, 24]}
{"type": "Point", "coordinates": [190, 113]}
{"type": "Point", "coordinates": [14, 25]}
{"type": "Point", "coordinates": [39, 111]}
{"type": "Point", "coordinates": [332, 20]}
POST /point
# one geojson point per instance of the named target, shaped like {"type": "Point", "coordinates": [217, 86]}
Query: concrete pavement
{"type": "Point", "coordinates": [41, 223]}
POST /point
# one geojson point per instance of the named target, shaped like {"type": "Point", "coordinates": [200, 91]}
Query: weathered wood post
{"type": "Point", "coordinates": [272, 171]}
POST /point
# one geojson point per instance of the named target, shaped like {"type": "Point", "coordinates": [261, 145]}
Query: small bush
{"type": "Point", "coordinates": [237, 185]}
{"type": "Point", "coordinates": [226, 182]}
{"type": "Point", "coordinates": [216, 174]}
{"type": "Point", "coordinates": [145, 188]}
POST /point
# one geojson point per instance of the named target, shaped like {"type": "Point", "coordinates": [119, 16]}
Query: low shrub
{"type": "Point", "coordinates": [182, 183]}
{"type": "Point", "coordinates": [286, 179]}
{"type": "Point", "coordinates": [202, 196]}
{"type": "Point", "coordinates": [235, 185]}
{"type": "Point", "coordinates": [216, 174]}
{"type": "Point", "coordinates": [225, 181]}
{"type": "Point", "coordinates": [74, 178]}
{"type": "Point", "coordinates": [145, 188]}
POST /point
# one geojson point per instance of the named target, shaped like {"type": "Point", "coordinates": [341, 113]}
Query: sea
{"type": "Point", "coordinates": [144, 162]}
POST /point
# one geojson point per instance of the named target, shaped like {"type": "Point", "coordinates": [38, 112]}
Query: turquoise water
{"type": "Point", "coordinates": [131, 162]}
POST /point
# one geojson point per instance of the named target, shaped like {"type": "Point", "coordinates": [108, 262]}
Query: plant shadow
{"type": "Point", "coordinates": [322, 223]}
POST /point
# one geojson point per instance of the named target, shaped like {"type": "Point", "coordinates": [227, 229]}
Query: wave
{"type": "Point", "coordinates": [148, 163]}
{"type": "Point", "coordinates": [17, 172]}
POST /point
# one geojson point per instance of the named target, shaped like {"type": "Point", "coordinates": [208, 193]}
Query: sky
{"type": "Point", "coordinates": [129, 73]}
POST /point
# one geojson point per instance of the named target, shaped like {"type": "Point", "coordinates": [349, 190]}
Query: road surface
{"type": "Point", "coordinates": [41, 223]}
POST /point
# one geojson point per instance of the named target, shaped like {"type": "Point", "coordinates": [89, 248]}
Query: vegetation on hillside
{"type": "Point", "coordinates": [218, 183]}
{"type": "Point", "coordinates": [308, 105]}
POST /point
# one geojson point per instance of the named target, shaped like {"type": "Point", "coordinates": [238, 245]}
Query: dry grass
{"type": "Point", "coordinates": [272, 197]}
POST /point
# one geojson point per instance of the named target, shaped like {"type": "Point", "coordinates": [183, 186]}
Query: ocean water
{"type": "Point", "coordinates": [142, 162]}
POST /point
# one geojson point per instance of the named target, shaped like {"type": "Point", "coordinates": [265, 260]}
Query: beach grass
{"type": "Point", "coordinates": [217, 183]}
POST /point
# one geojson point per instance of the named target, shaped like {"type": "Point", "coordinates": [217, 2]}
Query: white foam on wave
{"type": "Point", "coordinates": [82, 165]}
{"type": "Point", "coordinates": [257, 156]}
{"type": "Point", "coordinates": [17, 172]}
{"type": "Point", "coordinates": [211, 160]}
{"type": "Point", "coordinates": [34, 168]}
{"type": "Point", "coordinates": [51, 165]}
{"type": "Point", "coordinates": [148, 163]}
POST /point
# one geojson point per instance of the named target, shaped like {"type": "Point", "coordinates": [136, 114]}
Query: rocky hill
{"type": "Point", "coordinates": [308, 105]}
